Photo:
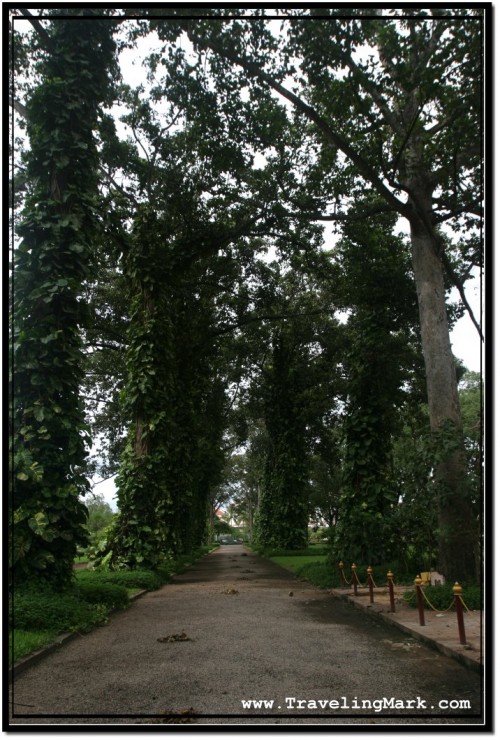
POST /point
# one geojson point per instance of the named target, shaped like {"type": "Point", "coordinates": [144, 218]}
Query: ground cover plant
{"type": "Point", "coordinates": [441, 597]}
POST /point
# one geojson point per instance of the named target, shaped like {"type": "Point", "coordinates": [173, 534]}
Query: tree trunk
{"type": "Point", "coordinates": [456, 521]}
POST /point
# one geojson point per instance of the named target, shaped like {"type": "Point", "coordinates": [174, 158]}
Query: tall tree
{"type": "Point", "coordinates": [396, 105]}
{"type": "Point", "coordinates": [58, 232]}
{"type": "Point", "coordinates": [379, 363]}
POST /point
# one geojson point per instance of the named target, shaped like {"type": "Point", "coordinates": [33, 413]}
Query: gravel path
{"type": "Point", "coordinates": [235, 628]}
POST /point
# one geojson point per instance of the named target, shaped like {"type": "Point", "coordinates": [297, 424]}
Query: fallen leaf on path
{"type": "Point", "coordinates": [230, 591]}
{"type": "Point", "coordinates": [174, 638]}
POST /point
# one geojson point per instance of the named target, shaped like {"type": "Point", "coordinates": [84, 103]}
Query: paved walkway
{"type": "Point", "coordinates": [238, 640]}
{"type": "Point", "coordinates": [441, 627]}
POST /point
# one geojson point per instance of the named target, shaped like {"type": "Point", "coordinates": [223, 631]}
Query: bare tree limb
{"type": "Point", "coordinates": [19, 108]}
{"type": "Point", "coordinates": [41, 31]}
{"type": "Point", "coordinates": [460, 287]}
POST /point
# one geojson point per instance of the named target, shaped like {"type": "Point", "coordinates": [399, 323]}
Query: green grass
{"type": "Point", "coordinates": [295, 562]}
{"type": "Point", "coordinates": [313, 565]}
{"type": "Point", "coordinates": [22, 642]}
{"type": "Point", "coordinates": [309, 564]}
{"type": "Point", "coordinates": [143, 579]}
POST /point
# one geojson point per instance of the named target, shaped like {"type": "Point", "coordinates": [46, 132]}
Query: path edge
{"type": "Point", "coordinates": [429, 641]}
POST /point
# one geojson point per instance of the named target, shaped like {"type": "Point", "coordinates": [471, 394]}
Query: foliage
{"type": "Point", "coordinates": [388, 128]}
{"type": "Point", "coordinates": [24, 642]}
{"type": "Point", "coordinates": [318, 573]}
{"type": "Point", "coordinates": [221, 527]}
{"type": "Point", "coordinates": [112, 595]}
{"type": "Point", "coordinates": [144, 579]}
{"type": "Point", "coordinates": [45, 609]}
{"type": "Point", "coordinates": [51, 262]}
{"type": "Point", "coordinates": [293, 562]}
{"type": "Point", "coordinates": [211, 373]}
{"type": "Point", "coordinates": [379, 363]}
{"type": "Point", "coordinates": [292, 396]}
{"type": "Point", "coordinates": [100, 516]}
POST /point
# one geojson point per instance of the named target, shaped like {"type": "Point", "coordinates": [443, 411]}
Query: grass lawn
{"type": "Point", "coordinates": [310, 564]}
{"type": "Point", "coordinates": [295, 562]}
{"type": "Point", "coordinates": [24, 642]}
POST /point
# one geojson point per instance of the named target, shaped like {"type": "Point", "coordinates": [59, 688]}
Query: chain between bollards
{"type": "Point", "coordinates": [354, 578]}
{"type": "Point", "coordinates": [343, 579]}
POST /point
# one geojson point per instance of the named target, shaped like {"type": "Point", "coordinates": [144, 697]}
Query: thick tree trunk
{"type": "Point", "coordinates": [456, 521]}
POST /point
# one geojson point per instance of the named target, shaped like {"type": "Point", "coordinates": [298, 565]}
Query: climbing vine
{"type": "Point", "coordinates": [57, 231]}
{"type": "Point", "coordinates": [142, 534]}
{"type": "Point", "coordinates": [378, 363]}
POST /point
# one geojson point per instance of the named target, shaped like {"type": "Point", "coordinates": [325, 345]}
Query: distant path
{"type": "Point", "coordinates": [260, 643]}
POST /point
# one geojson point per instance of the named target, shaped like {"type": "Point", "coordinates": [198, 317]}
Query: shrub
{"type": "Point", "coordinates": [37, 609]}
{"type": "Point", "coordinates": [145, 579]}
{"type": "Point", "coordinates": [109, 594]}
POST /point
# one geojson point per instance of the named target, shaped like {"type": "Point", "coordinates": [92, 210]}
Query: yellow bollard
{"type": "Point", "coordinates": [390, 583]}
{"type": "Point", "coordinates": [420, 600]}
{"type": "Point", "coordinates": [457, 591]}
{"type": "Point", "coordinates": [369, 570]}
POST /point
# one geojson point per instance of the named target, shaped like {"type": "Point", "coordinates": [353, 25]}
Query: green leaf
{"type": "Point", "coordinates": [38, 413]}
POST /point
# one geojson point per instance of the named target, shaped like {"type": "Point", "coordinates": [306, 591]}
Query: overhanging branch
{"type": "Point", "coordinates": [332, 136]}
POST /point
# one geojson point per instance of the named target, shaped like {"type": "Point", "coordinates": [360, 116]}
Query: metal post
{"type": "Point", "coordinates": [369, 570]}
{"type": "Point", "coordinates": [457, 590]}
{"type": "Point", "coordinates": [354, 579]}
{"type": "Point", "coordinates": [420, 600]}
{"type": "Point", "coordinates": [390, 576]}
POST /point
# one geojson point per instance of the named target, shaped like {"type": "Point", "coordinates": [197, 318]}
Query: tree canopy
{"type": "Point", "coordinates": [210, 266]}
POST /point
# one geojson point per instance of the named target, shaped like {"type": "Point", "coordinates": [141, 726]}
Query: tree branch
{"type": "Point", "coordinates": [332, 137]}
{"type": "Point", "coordinates": [459, 286]}
{"type": "Point", "coordinates": [267, 317]}
{"type": "Point", "coordinates": [19, 108]}
{"type": "Point", "coordinates": [117, 186]}
{"type": "Point", "coordinates": [346, 216]}
{"type": "Point", "coordinates": [372, 89]}
{"type": "Point", "coordinates": [38, 27]}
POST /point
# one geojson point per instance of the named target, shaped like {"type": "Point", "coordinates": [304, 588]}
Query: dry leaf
{"type": "Point", "coordinates": [174, 638]}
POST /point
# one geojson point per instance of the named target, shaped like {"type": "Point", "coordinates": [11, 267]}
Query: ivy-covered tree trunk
{"type": "Point", "coordinates": [52, 261]}
{"type": "Point", "coordinates": [282, 515]}
{"type": "Point", "coordinates": [363, 533]}
{"type": "Point", "coordinates": [143, 534]}
{"type": "Point", "coordinates": [382, 355]}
